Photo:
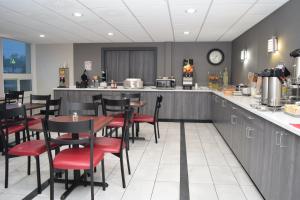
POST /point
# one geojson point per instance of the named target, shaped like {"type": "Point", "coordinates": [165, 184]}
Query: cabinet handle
{"type": "Point", "coordinates": [277, 140]}
{"type": "Point", "coordinates": [251, 118]}
{"type": "Point", "coordinates": [280, 140]}
{"type": "Point", "coordinates": [234, 108]}
{"type": "Point", "coordinates": [249, 131]}
{"type": "Point", "coordinates": [232, 119]}
{"type": "Point", "coordinates": [223, 103]}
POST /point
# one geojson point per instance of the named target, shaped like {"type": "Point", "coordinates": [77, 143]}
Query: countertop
{"type": "Point", "coordinates": [277, 117]}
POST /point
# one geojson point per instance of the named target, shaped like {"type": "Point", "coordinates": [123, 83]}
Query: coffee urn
{"type": "Point", "coordinates": [296, 74]}
{"type": "Point", "coordinates": [265, 87]}
{"type": "Point", "coordinates": [274, 92]}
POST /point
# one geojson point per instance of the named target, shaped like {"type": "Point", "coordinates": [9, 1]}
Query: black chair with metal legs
{"type": "Point", "coordinates": [19, 94]}
{"type": "Point", "coordinates": [117, 145]}
{"type": "Point", "coordinates": [30, 148]}
{"type": "Point", "coordinates": [133, 97]}
{"type": "Point", "coordinates": [76, 158]}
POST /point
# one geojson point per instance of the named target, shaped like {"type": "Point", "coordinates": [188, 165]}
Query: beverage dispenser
{"type": "Point", "coordinates": [187, 75]}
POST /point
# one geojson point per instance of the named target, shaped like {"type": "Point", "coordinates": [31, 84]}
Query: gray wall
{"type": "Point", "coordinates": [283, 23]}
{"type": "Point", "coordinates": [169, 57]}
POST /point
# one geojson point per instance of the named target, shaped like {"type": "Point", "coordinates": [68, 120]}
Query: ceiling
{"type": "Point", "coordinates": [130, 20]}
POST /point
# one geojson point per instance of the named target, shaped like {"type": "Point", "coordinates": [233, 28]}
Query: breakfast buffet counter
{"type": "Point", "coordinates": [180, 104]}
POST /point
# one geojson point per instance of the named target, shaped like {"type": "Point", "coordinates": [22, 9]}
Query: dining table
{"type": "Point", "coordinates": [79, 180]}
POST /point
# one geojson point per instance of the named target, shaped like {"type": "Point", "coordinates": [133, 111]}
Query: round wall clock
{"type": "Point", "coordinates": [215, 56]}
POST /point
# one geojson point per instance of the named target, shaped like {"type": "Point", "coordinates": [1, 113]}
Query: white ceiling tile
{"type": "Point", "coordinates": [130, 20]}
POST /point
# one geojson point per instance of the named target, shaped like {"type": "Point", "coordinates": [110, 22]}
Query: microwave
{"type": "Point", "coordinates": [166, 83]}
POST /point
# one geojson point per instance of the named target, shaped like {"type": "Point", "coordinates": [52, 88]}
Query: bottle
{"type": "Point", "coordinates": [225, 78]}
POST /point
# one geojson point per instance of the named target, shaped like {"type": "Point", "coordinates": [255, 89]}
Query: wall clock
{"type": "Point", "coordinates": [215, 56]}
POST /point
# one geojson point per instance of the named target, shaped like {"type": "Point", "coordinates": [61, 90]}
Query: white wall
{"type": "Point", "coordinates": [49, 57]}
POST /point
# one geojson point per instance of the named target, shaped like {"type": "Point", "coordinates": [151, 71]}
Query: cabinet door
{"type": "Point", "coordinates": [278, 166]}
{"type": "Point", "coordinates": [296, 173]}
{"type": "Point", "coordinates": [254, 128]}
{"type": "Point", "coordinates": [168, 106]}
{"type": "Point", "coordinates": [237, 124]}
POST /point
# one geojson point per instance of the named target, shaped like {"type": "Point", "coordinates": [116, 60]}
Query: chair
{"type": "Point", "coordinates": [29, 148]}
{"type": "Point", "coordinates": [11, 98]}
{"type": "Point", "coordinates": [151, 119]}
{"type": "Point", "coordinates": [133, 97]}
{"type": "Point", "coordinates": [20, 95]}
{"type": "Point", "coordinates": [76, 158]}
{"type": "Point", "coordinates": [53, 108]}
{"type": "Point", "coordinates": [38, 99]}
{"type": "Point", "coordinates": [117, 145]}
{"type": "Point", "coordinates": [98, 99]}
{"type": "Point", "coordinates": [90, 109]}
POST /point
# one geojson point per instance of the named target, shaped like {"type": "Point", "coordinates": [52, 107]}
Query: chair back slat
{"type": "Point", "coordinates": [43, 98]}
{"type": "Point", "coordinates": [83, 108]}
{"type": "Point", "coordinates": [114, 106]}
{"type": "Point", "coordinates": [97, 98]}
{"type": "Point", "coordinates": [53, 107]}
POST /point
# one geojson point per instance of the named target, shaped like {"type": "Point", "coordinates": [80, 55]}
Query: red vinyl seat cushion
{"type": "Point", "coordinates": [37, 116]}
{"type": "Point", "coordinates": [15, 128]}
{"type": "Point", "coordinates": [108, 145]}
{"type": "Point", "coordinates": [29, 148]}
{"type": "Point", "coordinates": [76, 158]}
{"type": "Point", "coordinates": [68, 136]}
{"type": "Point", "coordinates": [33, 121]}
{"type": "Point", "coordinates": [116, 123]}
{"type": "Point", "coordinates": [144, 118]}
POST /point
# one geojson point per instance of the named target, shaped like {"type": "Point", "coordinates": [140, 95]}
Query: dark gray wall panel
{"type": "Point", "coordinates": [283, 23]}
{"type": "Point", "coordinates": [169, 57]}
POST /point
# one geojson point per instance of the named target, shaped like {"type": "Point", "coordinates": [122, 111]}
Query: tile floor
{"type": "Point", "coordinates": [214, 172]}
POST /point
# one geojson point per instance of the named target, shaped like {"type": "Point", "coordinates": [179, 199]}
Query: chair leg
{"type": "Point", "coordinates": [128, 164]}
{"type": "Point", "coordinates": [38, 174]}
{"type": "Point", "coordinates": [37, 135]}
{"type": "Point", "coordinates": [122, 170]}
{"type": "Point", "coordinates": [28, 165]}
{"type": "Point", "coordinates": [132, 128]}
{"type": "Point", "coordinates": [24, 136]}
{"type": "Point", "coordinates": [6, 170]}
{"type": "Point", "coordinates": [155, 132]}
{"type": "Point", "coordinates": [66, 180]}
{"type": "Point", "coordinates": [92, 183]}
{"type": "Point", "coordinates": [103, 174]}
{"type": "Point", "coordinates": [51, 184]}
{"type": "Point", "coordinates": [157, 129]}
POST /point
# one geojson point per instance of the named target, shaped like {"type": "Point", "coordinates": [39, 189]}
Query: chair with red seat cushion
{"type": "Point", "coordinates": [151, 119]}
{"type": "Point", "coordinates": [53, 107]}
{"type": "Point", "coordinates": [134, 97]}
{"type": "Point", "coordinates": [29, 148]}
{"type": "Point", "coordinates": [75, 158]}
{"type": "Point", "coordinates": [117, 145]}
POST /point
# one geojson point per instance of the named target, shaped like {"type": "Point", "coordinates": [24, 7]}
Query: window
{"type": "Point", "coordinates": [16, 65]}
{"type": "Point", "coordinates": [10, 85]}
{"type": "Point", "coordinates": [16, 57]}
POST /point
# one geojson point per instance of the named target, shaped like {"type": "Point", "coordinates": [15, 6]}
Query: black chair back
{"type": "Point", "coordinates": [131, 96]}
{"type": "Point", "coordinates": [114, 106]}
{"type": "Point", "coordinates": [51, 127]}
{"type": "Point", "coordinates": [83, 108]}
{"type": "Point", "coordinates": [157, 107]}
{"type": "Point", "coordinates": [19, 94]}
{"type": "Point", "coordinates": [40, 98]}
{"type": "Point", "coordinates": [53, 107]}
{"type": "Point", "coordinates": [11, 98]}
{"type": "Point", "coordinates": [97, 98]}
{"type": "Point", "coordinates": [15, 116]}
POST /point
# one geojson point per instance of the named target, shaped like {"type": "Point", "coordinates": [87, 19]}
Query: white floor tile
{"type": "Point", "coordinates": [168, 173]}
{"type": "Point", "coordinates": [230, 192]}
{"type": "Point", "coordinates": [222, 175]}
{"type": "Point", "coordinates": [166, 191]}
{"type": "Point", "coordinates": [251, 193]}
{"type": "Point", "coordinates": [140, 190]}
{"type": "Point", "coordinates": [202, 191]}
{"type": "Point", "coordinates": [199, 174]}
{"type": "Point", "coordinates": [241, 176]}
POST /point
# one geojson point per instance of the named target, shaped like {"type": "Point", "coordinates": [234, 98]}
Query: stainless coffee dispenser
{"type": "Point", "coordinates": [296, 67]}
{"type": "Point", "coordinates": [264, 91]}
{"type": "Point", "coordinates": [274, 92]}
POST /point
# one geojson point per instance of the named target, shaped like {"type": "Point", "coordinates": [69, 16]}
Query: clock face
{"type": "Point", "coordinates": [215, 56]}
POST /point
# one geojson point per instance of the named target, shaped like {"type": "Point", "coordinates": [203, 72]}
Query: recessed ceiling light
{"type": "Point", "coordinates": [186, 32]}
{"type": "Point", "coordinates": [190, 11]}
{"type": "Point", "coordinates": [77, 14]}
{"type": "Point", "coordinates": [42, 35]}
{"type": "Point", "coordinates": [110, 33]}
